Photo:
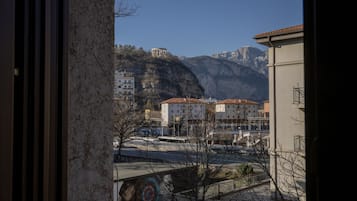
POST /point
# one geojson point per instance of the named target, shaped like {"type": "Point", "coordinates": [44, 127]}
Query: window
{"type": "Point", "coordinates": [299, 143]}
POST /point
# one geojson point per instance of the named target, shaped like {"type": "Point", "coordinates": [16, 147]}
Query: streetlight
{"type": "Point", "coordinates": [177, 120]}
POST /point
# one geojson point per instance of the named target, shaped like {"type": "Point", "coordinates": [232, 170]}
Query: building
{"type": "Point", "coordinates": [124, 86]}
{"type": "Point", "coordinates": [159, 52]}
{"type": "Point", "coordinates": [179, 113]}
{"type": "Point", "coordinates": [266, 109]}
{"type": "Point", "coordinates": [286, 97]}
{"type": "Point", "coordinates": [234, 113]}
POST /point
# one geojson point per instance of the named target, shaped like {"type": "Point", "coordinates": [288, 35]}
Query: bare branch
{"type": "Point", "coordinates": [123, 9]}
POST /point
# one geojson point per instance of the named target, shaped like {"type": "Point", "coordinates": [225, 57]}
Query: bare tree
{"type": "Point", "coordinates": [124, 9]}
{"type": "Point", "coordinates": [198, 154]}
{"type": "Point", "coordinates": [289, 184]}
{"type": "Point", "coordinates": [126, 120]}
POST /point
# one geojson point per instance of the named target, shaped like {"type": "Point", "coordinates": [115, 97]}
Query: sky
{"type": "Point", "coordinates": [204, 27]}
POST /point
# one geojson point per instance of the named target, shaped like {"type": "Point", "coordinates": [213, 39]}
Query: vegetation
{"type": "Point", "coordinates": [126, 120]}
{"type": "Point", "coordinates": [245, 169]}
{"type": "Point", "coordinates": [124, 9]}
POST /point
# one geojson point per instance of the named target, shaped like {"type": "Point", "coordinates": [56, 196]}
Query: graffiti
{"type": "Point", "coordinates": [147, 189]}
{"type": "Point", "coordinates": [150, 190]}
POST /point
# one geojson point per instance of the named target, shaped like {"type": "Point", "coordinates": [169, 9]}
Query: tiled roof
{"type": "Point", "coordinates": [237, 101]}
{"type": "Point", "coordinates": [182, 100]}
{"type": "Point", "coordinates": [287, 30]}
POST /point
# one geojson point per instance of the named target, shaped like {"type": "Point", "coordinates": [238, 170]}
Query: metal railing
{"type": "Point", "coordinates": [218, 189]}
{"type": "Point", "coordinates": [299, 143]}
{"type": "Point", "coordinates": [298, 95]}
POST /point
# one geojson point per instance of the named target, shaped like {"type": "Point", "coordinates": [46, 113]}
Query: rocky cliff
{"type": "Point", "coordinates": [156, 79]}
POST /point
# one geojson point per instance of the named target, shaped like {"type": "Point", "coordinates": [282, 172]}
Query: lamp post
{"type": "Point", "coordinates": [177, 122]}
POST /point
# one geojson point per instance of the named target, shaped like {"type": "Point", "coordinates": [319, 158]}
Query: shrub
{"type": "Point", "coordinates": [245, 169]}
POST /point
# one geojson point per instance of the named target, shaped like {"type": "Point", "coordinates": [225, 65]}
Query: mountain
{"type": "Point", "coordinates": [156, 79]}
{"type": "Point", "coordinates": [223, 79]}
{"type": "Point", "coordinates": [247, 56]}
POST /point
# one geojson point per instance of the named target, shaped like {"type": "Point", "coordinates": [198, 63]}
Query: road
{"type": "Point", "coordinates": [180, 152]}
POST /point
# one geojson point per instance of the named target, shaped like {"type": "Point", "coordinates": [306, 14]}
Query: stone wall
{"type": "Point", "coordinates": [91, 74]}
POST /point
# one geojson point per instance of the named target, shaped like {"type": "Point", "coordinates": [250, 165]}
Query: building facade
{"type": "Point", "coordinates": [124, 86]}
{"type": "Point", "coordinates": [159, 52]}
{"type": "Point", "coordinates": [286, 98]}
{"type": "Point", "coordinates": [234, 113]}
{"type": "Point", "coordinates": [182, 111]}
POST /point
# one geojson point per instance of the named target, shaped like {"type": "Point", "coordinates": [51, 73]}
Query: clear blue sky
{"type": "Point", "coordinates": [203, 27]}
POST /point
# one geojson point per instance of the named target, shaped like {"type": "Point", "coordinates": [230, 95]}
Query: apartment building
{"type": "Point", "coordinates": [234, 113]}
{"type": "Point", "coordinates": [124, 86]}
{"type": "Point", "coordinates": [182, 111]}
{"type": "Point", "coordinates": [286, 109]}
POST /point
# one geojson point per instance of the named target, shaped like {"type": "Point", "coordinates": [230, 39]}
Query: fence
{"type": "Point", "coordinates": [218, 189]}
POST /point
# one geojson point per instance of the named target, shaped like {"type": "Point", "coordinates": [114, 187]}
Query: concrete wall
{"type": "Point", "coordinates": [90, 60]}
{"type": "Point", "coordinates": [287, 117]}
{"type": "Point", "coordinates": [289, 64]}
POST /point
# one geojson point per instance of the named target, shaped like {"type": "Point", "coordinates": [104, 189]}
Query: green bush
{"type": "Point", "coordinates": [245, 169]}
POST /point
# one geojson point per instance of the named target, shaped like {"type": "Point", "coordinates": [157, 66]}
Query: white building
{"type": "Point", "coordinates": [159, 52]}
{"type": "Point", "coordinates": [234, 113]}
{"type": "Point", "coordinates": [124, 86]}
{"type": "Point", "coordinates": [286, 102]}
{"type": "Point", "coordinates": [176, 110]}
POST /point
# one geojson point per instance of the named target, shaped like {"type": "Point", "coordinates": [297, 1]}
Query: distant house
{"type": "Point", "coordinates": [234, 113]}
{"type": "Point", "coordinates": [286, 98]}
{"type": "Point", "coordinates": [159, 52]}
{"type": "Point", "coordinates": [182, 111]}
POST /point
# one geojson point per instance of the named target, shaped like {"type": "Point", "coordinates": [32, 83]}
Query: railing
{"type": "Point", "coordinates": [216, 190]}
{"type": "Point", "coordinates": [299, 143]}
{"type": "Point", "coordinates": [298, 95]}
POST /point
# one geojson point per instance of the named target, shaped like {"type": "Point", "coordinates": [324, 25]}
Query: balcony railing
{"type": "Point", "coordinates": [298, 96]}
{"type": "Point", "coordinates": [299, 143]}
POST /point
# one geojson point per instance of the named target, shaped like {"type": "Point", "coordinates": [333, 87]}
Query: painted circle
{"type": "Point", "coordinates": [150, 190]}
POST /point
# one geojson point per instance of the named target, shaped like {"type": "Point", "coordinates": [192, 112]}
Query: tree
{"type": "Point", "coordinates": [124, 9]}
{"type": "Point", "coordinates": [289, 184]}
{"type": "Point", "coordinates": [126, 120]}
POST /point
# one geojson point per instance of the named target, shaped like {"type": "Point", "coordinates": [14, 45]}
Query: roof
{"type": "Point", "coordinates": [182, 101]}
{"type": "Point", "coordinates": [292, 33]}
{"type": "Point", "coordinates": [237, 101]}
{"type": "Point", "coordinates": [283, 31]}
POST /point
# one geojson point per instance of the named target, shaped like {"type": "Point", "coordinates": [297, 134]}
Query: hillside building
{"type": "Point", "coordinates": [124, 86]}
{"type": "Point", "coordinates": [159, 52]}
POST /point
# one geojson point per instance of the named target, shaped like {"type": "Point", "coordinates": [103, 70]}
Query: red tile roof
{"type": "Point", "coordinates": [182, 101]}
{"type": "Point", "coordinates": [287, 30]}
{"type": "Point", "coordinates": [237, 101]}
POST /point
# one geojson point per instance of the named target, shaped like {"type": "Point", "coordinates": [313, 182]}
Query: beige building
{"type": "Point", "coordinates": [159, 52]}
{"type": "Point", "coordinates": [286, 97]}
{"type": "Point", "coordinates": [234, 113]}
{"type": "Point", "coordinates": [182, 111]}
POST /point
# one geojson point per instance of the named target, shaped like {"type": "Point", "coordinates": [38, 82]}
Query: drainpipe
{"type": "Point", "coordinates": [274, 117]}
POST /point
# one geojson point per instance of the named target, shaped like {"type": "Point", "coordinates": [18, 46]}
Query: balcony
{"type": "Point", "coordinates": [299, 97]}
{"type": "Point", "coordinates": [299, 143]}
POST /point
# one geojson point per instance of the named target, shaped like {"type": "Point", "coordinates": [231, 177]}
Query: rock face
{"type": "Point", "coordinates": [247, 56]}
{"type": "Point", "coordinates": [223, 79]}
{"type": "Point", "coordinates": [156, 79]}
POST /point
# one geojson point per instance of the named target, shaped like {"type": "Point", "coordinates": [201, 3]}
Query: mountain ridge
{"type": "Point", "coordinates": [222, 78]}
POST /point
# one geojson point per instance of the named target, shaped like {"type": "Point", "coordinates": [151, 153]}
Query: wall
{"type": "Point", "coordinates": [90, 60]}
{"type": "Point", "coordinates": [289, 73]}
